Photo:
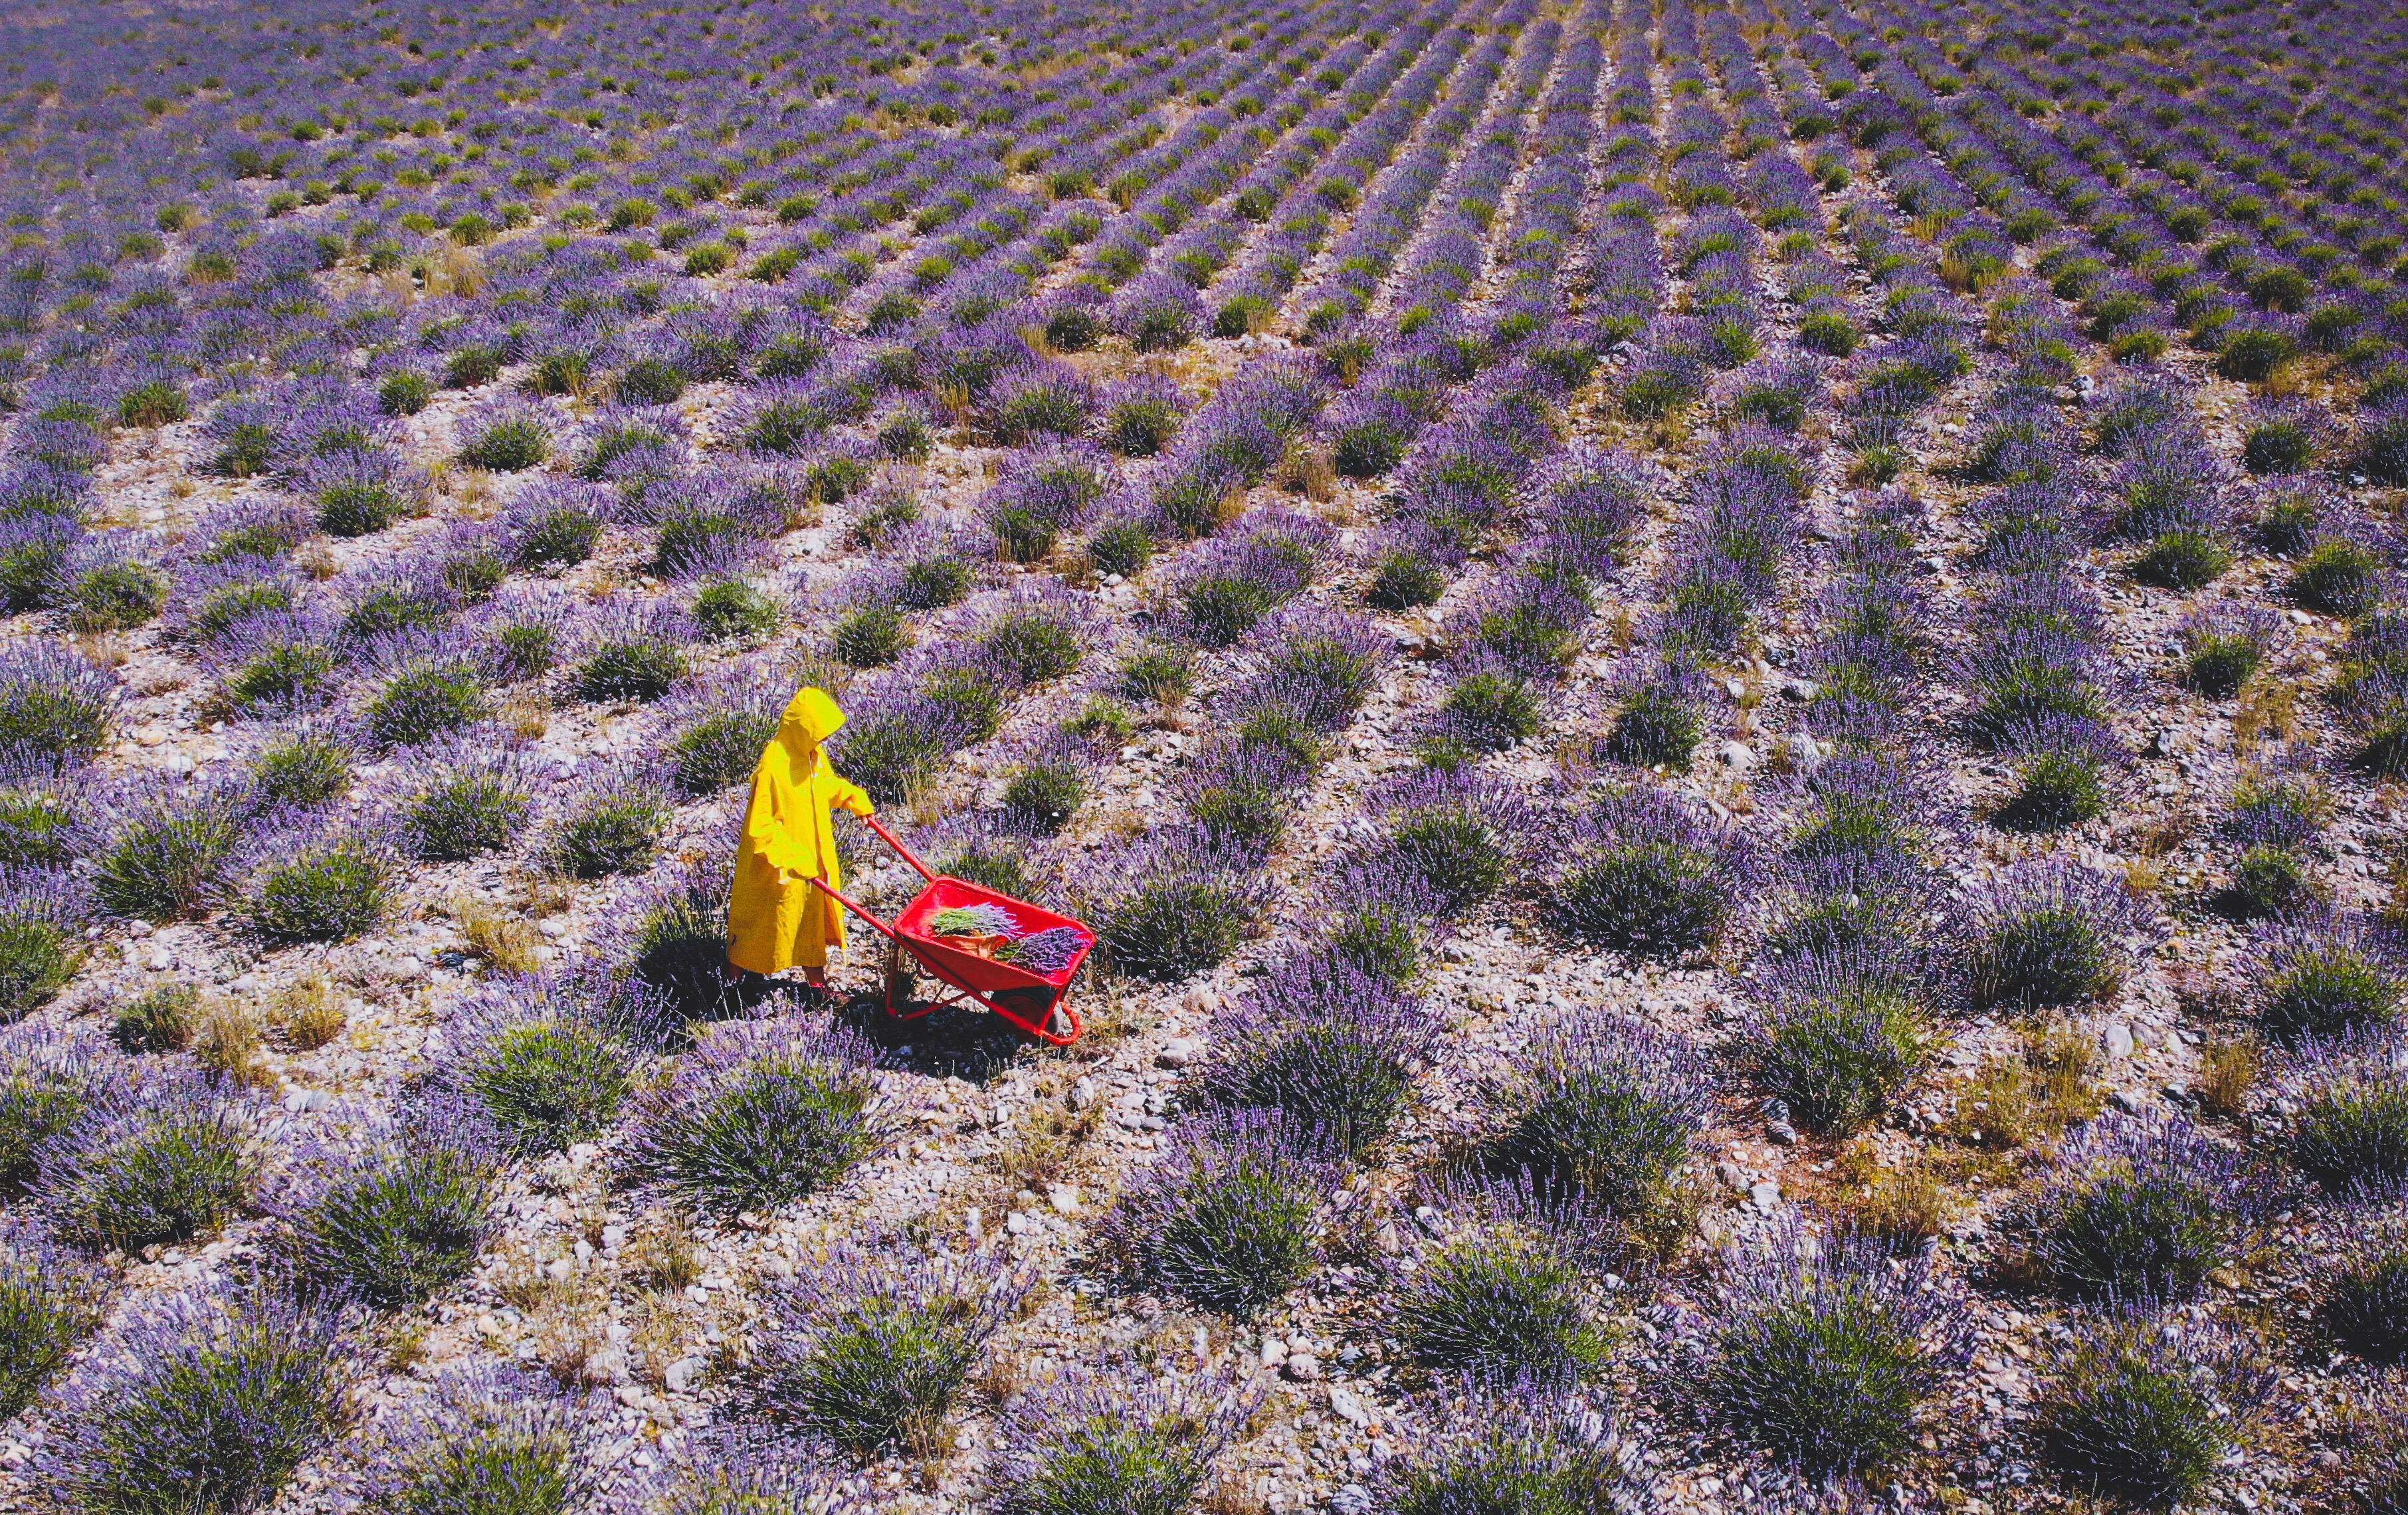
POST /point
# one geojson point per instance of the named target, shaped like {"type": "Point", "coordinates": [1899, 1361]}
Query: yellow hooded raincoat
{"type": "Point", "coordinates": [775, 919]}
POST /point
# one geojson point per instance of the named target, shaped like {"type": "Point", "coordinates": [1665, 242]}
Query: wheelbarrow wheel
{"type": "Point", "coordinates": [900, 979]}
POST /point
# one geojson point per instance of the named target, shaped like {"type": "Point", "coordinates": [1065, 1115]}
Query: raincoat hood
{"type": "Point", "coordinates": [812, 718]}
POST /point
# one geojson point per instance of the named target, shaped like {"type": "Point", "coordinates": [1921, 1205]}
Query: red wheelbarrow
{"type": "Point", "coordinates": [1029, 1000]}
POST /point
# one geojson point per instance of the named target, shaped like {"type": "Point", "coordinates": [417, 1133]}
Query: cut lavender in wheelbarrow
{"type": "Point", "coordinates": [973, 921]}
{"type": "Point", "coordinates": [1045, 953]}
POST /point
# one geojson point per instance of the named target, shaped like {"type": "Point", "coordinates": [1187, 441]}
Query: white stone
{"type": "Point", "coordinates": [1348, 1405]}
{"type": "Point", "coordinates": [1063, 1197]}
{"type": "Point", "coordinates": [1737, 755]}
{"type": "Point", "coordinates": [683, 1375]}
{"type": "Point", "coordinates": [1766, 1195]}
{"type": "Point", "coordinates": [2117, 1039]}
{"type": "Point", "coordinates": [1178, 1051]}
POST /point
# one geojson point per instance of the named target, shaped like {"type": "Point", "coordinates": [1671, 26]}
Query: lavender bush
{"type": "Point", "coordinates": [2144, 1412]}
{"type": "Point", "coordinates": [1120, 1439]}
{"type": "Point", "coordinates": [50, 1082]}
{"type": "Point", "coordinates": [50, 1300]}
{"type": "Point", "coordinates": [546, 1061]}
{"type": "Point", "coordinates": [398, 1208]}
{"type": "Point", "coordinates": [1648, 876]}
{"type": "Point", "coordinates": [872, 1347]}
{"type": "Point", "coordinates": [218, 1397]}
{"type": "Point", "coordinates": [1518, 1447]}
{"type": "Point", "coordinates": [1825, 1352]}
{"type": "Point", "coordinates": [161, 1160]}
{"type": "Point", "coordinates": [1605, 1108]}
{"type": "Point", "coordinates": [759, 1115]}
{"type": "Point", "coordinates": [1226, 1216]}
{"type": "Point", "coordinates": [2137, 1205]}
{"type": "Point", "coordinates": [488, 1440]}
{"type": "Point", "coordinates": [1333, 1047]}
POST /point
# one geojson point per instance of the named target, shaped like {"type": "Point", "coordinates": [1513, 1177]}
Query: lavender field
{"type": "Point", "coordinates": [1727, 684]}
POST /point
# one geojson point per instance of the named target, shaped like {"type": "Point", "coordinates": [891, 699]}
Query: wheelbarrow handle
{"type": "Point", "coordinates": [901, 851]}
{"type": "Point", "coordinates": [821, 885]}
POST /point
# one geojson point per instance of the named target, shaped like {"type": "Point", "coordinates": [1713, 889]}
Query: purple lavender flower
{"type": "Point", "coordinates": [212, 596]}
{"type": "Point", "coordinates": [1310, 665]}
{"type": "Point", "coordinates": [1118, 1438]}
{"type": "Point", "coordinates": [1372, 918]}
{"type": "Point", "coordinates": [712, 522]}
{"type": "Point", "coordinates": [1504, 1292]}
{"type": "Point", "coordinates": [2320, 974]}
{"type": "Point", "coordinates": [358, 492]}
{"type": "Point", "coordinates": [1457, 833]}
{"type": "Point", "coordinates": [1173, 904]}
{"type": "Point", "coordinates": [55, 1300]}
{"type": "Point", "coordinates": [2227, 641]}
{"type": "Point", "coordinates": [1044, 490]}
{"type": "Point", "coordinates": [162, 1164]}
{"type": "Point", "coordinates": [1239, 794]}
{"type": "Point", "coordinates": [220, 1392]}
{"type": "Point", "coordinates": [37, 488]}
{"type": "Point", "coordinates": [307, 876]}
{"type": "Point", "coordinates": [2347, 1104]}
{"type": "Point", "coordinates": [1824, 1352]}
{"type": "Point", "coordinates": [1527, 626]}
{"type": "Point", "coordinates": [549, 1059]}
{"type": "Point", "coordinates": [277, 663]}
{"type": "Point", "coordinates": [1334, 1047]}
{"type": "Point", "coordinates": [554, 524]}
{"type": "Point", "coordinates": [49, 1079]}
{"type": "Point", "coordinates": [395, 1209]}
{"type": "Point", "coordinates": [632, 444]}
{"type": "Point", "coordinates": [761, 1114]}
{"type": "Point", "coordinates": [712, 731]}
{"type": "Point", "coordinates": [465, 794]}
{"type": "Point", "coordinates": [261, 526]}
{"type": "Point", "coordinates": [507, 435]}
{"type": "Point", "coordinates": [1141, 414]}
{"type": "Point", "coordinates": [2146, 1409]}
{"type": "Point", "coordinates": [630, 649]}
{"type": "Point", "coordinates": [1605, 1108]}
{"type": "Point", "coordinates": [1836, 1033]}
{"type": "Point", "coordinates": [1045, 952]}
{"type": "Point", "coordinates": [1158, 313]}
{"type": "Point", "coordinates": [747, 1465]}
{"type": "Point", "coordinates": [35, 553]}
{"type": "Point", "coordinates": [2050, 932]}
{"type": "Point", "coordinates": [1031, 634]}
{"type": "Point", "coordinates": [2169, 482]}
{"type": "Point", "coordinates": [1646, 874]}
{"type": "Point", "coordinates": [2145, 407]}
{"type": "Point", "coordinates": [1553, 1449]}
{"type": "Point", "coordinates": [1880, 899]}
{"type": "Point", "coordinates": [488, 1437]}
{"type": "Point", "coordinates": [1586, 502]}
{"type": "Point", "coordinates": [874, 1344]}
{"type": "Point", "coordinates": [1041, 399]}
{"type": "Point", "coordinates": [1223, 587]}
{"type": "Point", "coordinates": [2137, 1205]}
{"type": "Point", "coordinates": [54, 702]}
{"type": "Point", "coordinates": [1225, 1216]}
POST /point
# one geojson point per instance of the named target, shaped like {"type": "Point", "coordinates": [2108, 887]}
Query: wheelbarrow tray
{"type": "Point", "coordinates": [969, 970]}
{"type": "Point", "coordinates": [1028, 1000]}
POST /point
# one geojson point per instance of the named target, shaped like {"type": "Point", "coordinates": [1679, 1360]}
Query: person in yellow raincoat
{"type": "Point", "coordinates": [775, 919]}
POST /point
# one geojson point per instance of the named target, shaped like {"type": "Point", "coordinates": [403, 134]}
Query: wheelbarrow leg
{"type": "Point", "coordinates": [899, 982]}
